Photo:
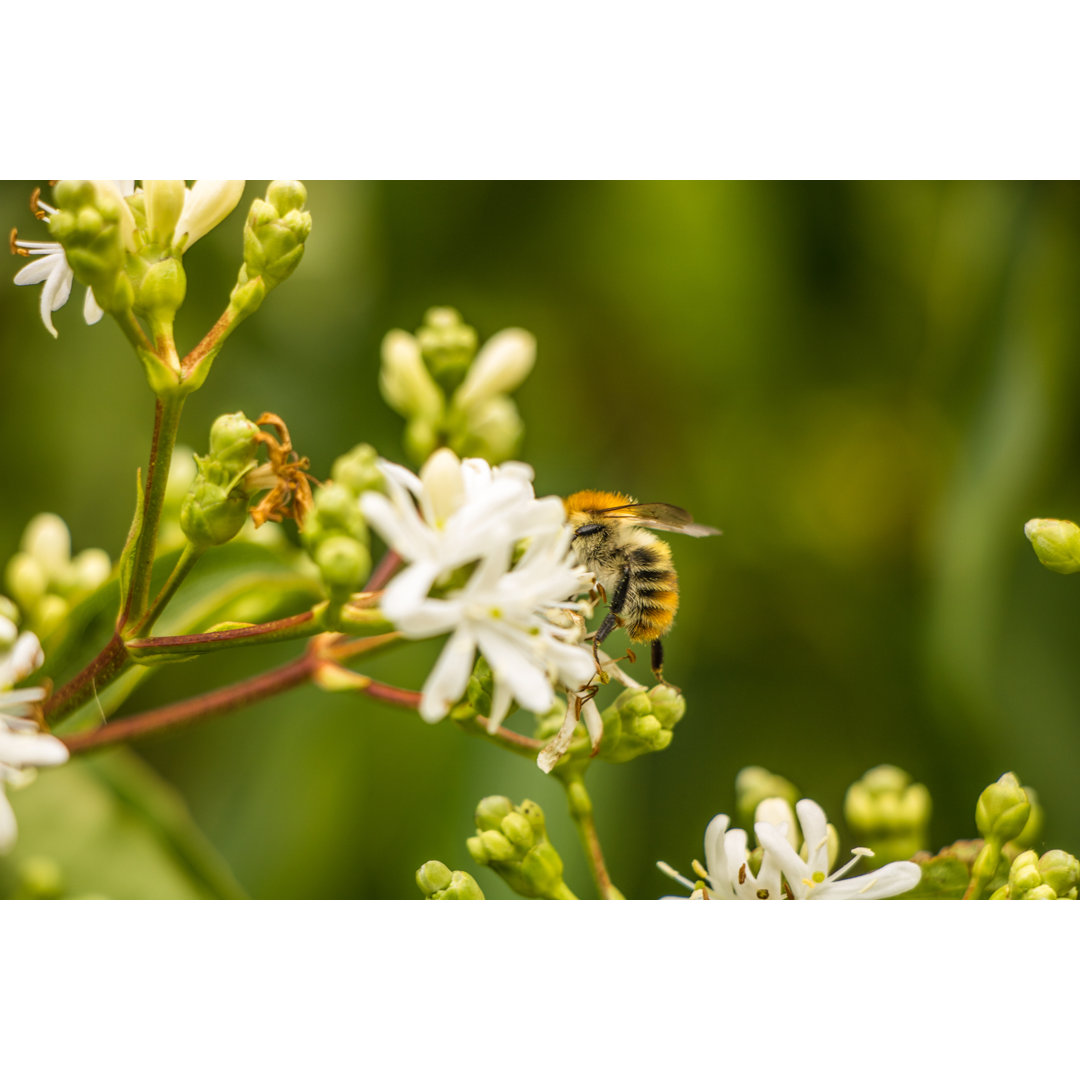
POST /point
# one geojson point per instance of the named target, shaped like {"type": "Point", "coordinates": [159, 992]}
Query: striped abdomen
{"type": "Point", "coordinates": [652, 597]}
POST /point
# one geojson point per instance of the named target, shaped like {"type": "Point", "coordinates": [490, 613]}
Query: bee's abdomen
{"type": "Point", "coordinates": [653, 595]}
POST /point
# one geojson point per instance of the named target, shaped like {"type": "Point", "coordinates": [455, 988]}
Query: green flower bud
{"type": "Point", "coordinates": [458, 884]}
{"type": "Point", "coordinates": [89, 569]}
{"type": "Point", "coordinates": [754, 784]}
{"type": "Point", "coordinates": [233, 442]}
{"type": "Point", "coordinates": [517, 830]}
{"type": "Point", "coordinates": [1040, 892]}
{"type": "Point", "coordinates": [447, 346]}
{"type": "Point", "coordinates": [433, 876]}
{"type": "Point", "coordinates": [1061, 871]}
{"type": "Point", "coordinates": [1024, 874]}
{"type": "Point", "coordinates": [344, 564]}
{"type": "Point", "coordinates": [161, 291]}
{"type": "Point", "coordinates": [492, 430]}
{"type": "Point", "coordinates": [163, 201]}
{"type": "Point", "coordinates": [274, 237]}
{"type": "Point", "coordinates": [25, 580]}
{"type": "Point", "coordinates": [1032, 831]}
{"type": "Point", "coordinates": [286, 196]}
{"type": "Point", "coordinates": [47, 540]}
{"type": "Point", "coordinates": [889, 813]}
{"type": "Point", "coordinates": [1056, 543]}
{"type": "Point", "coordinates": [9, 610]}
{"type": "Point", "coordinates": [1003, 810]}
{"type": "Point", "coordinates": [421, 438]}
{"type": "Point", "coordinates": [247, 295]}
{"type": "Point", "coordinates": [513, 841]}
{"type": "Point", "coordinates": [336, 509]}
{"type": "Point", "coordinates": [96, 228]}
{"type": "Point", "coordinates": [497, 848]}
{"type": "Point", "coordinates": [358, 470]}
{"type": "Point", "coordinates": [404, 382]}
{"type": "Point", "coordinates": [212, 514]}
{"type": "Point", "coordinates": [668, 705]}
{"type": "Point", "coordinates": [631, 728]}
{"type": "Point", "coordinates": [491, 811]}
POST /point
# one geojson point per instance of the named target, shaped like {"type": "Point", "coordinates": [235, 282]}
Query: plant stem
{"type": "Point", "coordinates": [102, 670]}
{"type": "Point", "coordinates": [166, 425]}
{"type": "Point", "coordinates": [581, 811]}
{"type": "Point", "coordinates": [181, 713]}
{"type": "Point", "coordinates": [188, 558]}
{"type": "Point", "coordinates": [305, 624]}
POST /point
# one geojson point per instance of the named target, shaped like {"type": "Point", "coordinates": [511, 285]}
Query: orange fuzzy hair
{"type": "Point", "coordinates": [583, 502]}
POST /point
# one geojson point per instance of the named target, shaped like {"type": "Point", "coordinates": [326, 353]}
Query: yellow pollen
{"type": "Point", "coordinates": [495, 613]}
{"type": "Point", "coordinates": [35, 205]}
{"type": "Point", "coordinates": [808, 883]}
{"type": "Point", "coordinates": [699, 869]}
{"type": "Point", "coordinates": [15, 249]}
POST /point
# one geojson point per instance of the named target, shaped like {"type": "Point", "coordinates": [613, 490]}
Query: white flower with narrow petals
{"type": "Point", "coordinates": [502, 611]}
{"type": "Point", "coordinates": [22, 743]}
{"type": "Point", "coordinates": [452, 514]}
{"type": "Point", "coordinates": [459, 514]}
{"type": "Point", "coordinates": [783, 871]}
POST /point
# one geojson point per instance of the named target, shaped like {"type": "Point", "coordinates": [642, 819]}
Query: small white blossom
{"type": "Point", "coordinates": [452, 514]}
{"type": "Point", "coordinates": [460, 513]}
{"type": "Point", "coordinates": [783, 871]}
{"type": "Point", "coordinates": [22, 744]}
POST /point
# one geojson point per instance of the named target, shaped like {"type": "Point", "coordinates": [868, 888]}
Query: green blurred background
{"type": "Point", "coordinates": [869, 387]}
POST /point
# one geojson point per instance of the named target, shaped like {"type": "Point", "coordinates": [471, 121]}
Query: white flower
{"type": "Point", "coordinates": [22, 744]}
{"type": "Point", "coordinates": [727, 873]}
{"type": "Point", "coordinates": [464, 513]}
{"type": "Point", "coordinates": [454, 513]}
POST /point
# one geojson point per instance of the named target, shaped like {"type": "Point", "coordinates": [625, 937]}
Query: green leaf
{"type": "Point", "coordinates": [945, 876]}
{"type": "Point", "coordinates": [126, 563]}
{"type": "Point", "coordinates": [108, 825]}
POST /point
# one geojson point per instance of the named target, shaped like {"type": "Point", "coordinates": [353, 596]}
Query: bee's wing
{"type": "Point", "coordinates": [662, 516]}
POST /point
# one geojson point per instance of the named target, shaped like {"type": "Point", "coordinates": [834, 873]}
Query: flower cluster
{"type": "Point", "coordinates": [166, 215]}
{"type": "Point", "coordinates": [489, 563]}
{"type": "Point", "coordinates": [22, 743]}
{"type": "Point", "coordinates": [785, 870]}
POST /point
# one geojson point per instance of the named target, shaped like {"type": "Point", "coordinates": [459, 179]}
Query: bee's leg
{"type": "Point", "coordinates": [658, 663]}
{"type": "Point", "coordinates": [611, 619]}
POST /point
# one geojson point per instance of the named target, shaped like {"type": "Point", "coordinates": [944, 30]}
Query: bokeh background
{"type": "Point", "coordinates": [869, 387]}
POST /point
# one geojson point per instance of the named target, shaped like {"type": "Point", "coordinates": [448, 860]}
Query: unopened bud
{"type": "Point", "coordinates": [1003, 810]}
{"type": "Point", "coordinates": [1061, 871]}
{"type": "Point", "coordinates": [492, 430]}
{"type": "Point", "coordinates": [89, 569]}
{"type": "Point", "coordinates": [753, 784]}
{"type": "Point", "coordinates": [212, 514]}
{"type": "Point", "coordinates": [458, 884]}
{"type": "Point", "coordinates": [491, 811]}
{"type": "Point", "coordinates": [47, 539]}
{"type": "Point", "coordinates": [275, 232]}
{"type": "Point", "coordinates": [233, 442]}
{"type": "Point", "coordinates": [405, 384]}
{"type": "Point", "coordinates": [447, 346]}
{"type": "Point", "coordinates": [500, 366]}
{"type": "Point", "coordinates": [517, 830]}
{"type": "Point", "coordinates": [358, 470]}
{"type": "Point", "coordinates": [163, 202]}
{"type": "Point", "coordinates": [1056, 543]}
{"type": "Point", "coordinates": [25, 580]}
{"type": "Point", "coordinates": [161, 291]}
{"type": "Point", "coordinates": [206, 205]}
{"type": "Point", "coordinates": [343, 563]}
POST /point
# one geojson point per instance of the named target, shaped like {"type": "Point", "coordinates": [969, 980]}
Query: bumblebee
{"type": "Point", "coordinates": [633, 569]}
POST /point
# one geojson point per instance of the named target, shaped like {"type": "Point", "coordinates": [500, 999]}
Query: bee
{"type": "Point", "coordinates": [633, 569]}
